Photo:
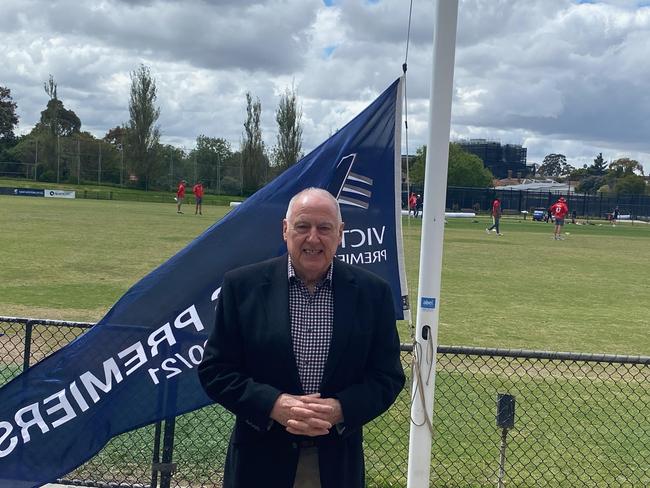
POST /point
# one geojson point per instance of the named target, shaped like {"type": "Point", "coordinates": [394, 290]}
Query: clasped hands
{"type": "Point", "coordinates": [308, 415]}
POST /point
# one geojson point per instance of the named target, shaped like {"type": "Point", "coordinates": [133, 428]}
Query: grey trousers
{"type": "Point", "coordinates": [308, 472]}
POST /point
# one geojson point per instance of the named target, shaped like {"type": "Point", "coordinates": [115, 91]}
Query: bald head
{"type": "Point", "coordinates": [314, 191]}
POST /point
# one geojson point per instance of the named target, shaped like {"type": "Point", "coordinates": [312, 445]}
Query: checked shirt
{"type": "Point", "coordinates": [312, 319]}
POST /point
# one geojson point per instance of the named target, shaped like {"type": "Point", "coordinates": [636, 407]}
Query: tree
{"type": "Point", "coordinates": [56, 118]}
{"type": "Point", "coordinates": [50, 88]}
{"type": "Point", "coordinates": [116, 136]}
{"type": "Point", "coordinates": [253, 157]}
{"type": "Point", "coordinates": [8, 117]}
{"type": "Point", "coordinates": [59, 120]}
{"type": "Point", "coordinates": [599, 166]}
{"type": "Point", "coordinates": [467, 169]}
{"type": "Point", "coordinates": [416, 171]}
{"type": "Point", "coordinates": [288, 116]}
{"type": "Point", "coordinates": [630, 184]}
{"type": "Point", "coordinates": [464, 169]}
{"type": "Point", "coordinates": [590, 185]}
{"type": "Point", "coordinates": [625, 167]}
{"type": "Point", "coordinates": [553, 165]}
{"type": "Point", "coordinates": [143, 132]}
{"type": "Point", "coordinates": [213, 159]}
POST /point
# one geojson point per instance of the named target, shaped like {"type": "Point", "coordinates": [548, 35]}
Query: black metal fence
{"type": "Point", "coordinates": [578, 420]}
{"type": "Point", "coordinates": [516, 201]}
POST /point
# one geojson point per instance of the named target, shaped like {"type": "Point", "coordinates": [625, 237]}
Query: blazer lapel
{"type": "Point", "coordinates": [276, 303]}
{"type": "Point", "coordinates": [344, 287]}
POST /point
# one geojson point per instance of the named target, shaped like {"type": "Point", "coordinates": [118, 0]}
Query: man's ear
{"type": "Point", "coordinates": [285, 228]}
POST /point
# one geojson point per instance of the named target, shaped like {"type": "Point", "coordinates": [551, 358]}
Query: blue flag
{"type": "Point", "coordinates": [137, 365]}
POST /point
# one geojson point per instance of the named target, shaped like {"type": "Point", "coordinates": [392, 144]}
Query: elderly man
{"type": "Point", "coordinates": [304, 352]}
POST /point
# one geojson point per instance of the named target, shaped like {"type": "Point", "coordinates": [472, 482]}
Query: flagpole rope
{"type": "Point", "coordinates": [406, 116]}
{"type": "Point", "coordinates": [418, 356]}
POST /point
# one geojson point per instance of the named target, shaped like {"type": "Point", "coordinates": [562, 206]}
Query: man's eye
{"type": "Point", "coordinates": [324, 229]}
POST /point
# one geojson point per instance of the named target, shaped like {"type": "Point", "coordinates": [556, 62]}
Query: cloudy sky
{"type": "Point", "coordinates": [553, 75]}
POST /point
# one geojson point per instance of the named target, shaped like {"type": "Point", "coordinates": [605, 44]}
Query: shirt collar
{"type": "Point", "coordinates": [325, 279]}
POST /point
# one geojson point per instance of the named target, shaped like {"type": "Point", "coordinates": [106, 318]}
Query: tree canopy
{"type": "Point", "coordinates": [554, 165]}
{"type": "Point", "coordinates": [464, 169]}
{"type": "Point", "coordinates": [143, 132]}
{"type": "Point", "coordinates": [8, 116]}
{"type": "Point", "coordinates": [630, 185]}
{"type": "Point", "coordinates": [599, 166]}
{"type": "Point", "coordinates": [288, 116]}
{"type": "Point", "coordinates": [254, 160]}
{"type": "Point", "coordinates": [59, 120]}
{"type": "Point", "coordinates": [625, 167]}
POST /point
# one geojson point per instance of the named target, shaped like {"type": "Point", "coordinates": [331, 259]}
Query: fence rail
{"type": "Point", "coordinates": [579, 420]}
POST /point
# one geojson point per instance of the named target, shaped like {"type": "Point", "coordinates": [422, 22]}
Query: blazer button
{"type": "Point", "coordinates": [294, 445]}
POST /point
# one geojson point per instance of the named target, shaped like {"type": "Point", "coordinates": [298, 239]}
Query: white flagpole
{"type": "Point", "coordinates": [433, 221]}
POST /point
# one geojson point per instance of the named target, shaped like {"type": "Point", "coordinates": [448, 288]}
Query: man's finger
{"type": "Point", "coordinates": [308, 423]}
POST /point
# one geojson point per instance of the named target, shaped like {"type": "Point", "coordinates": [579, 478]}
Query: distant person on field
{"type": "Point", "coordinates": [559, 210]}
{"type": "Point", "coordinates": [574, 215]}
{"type": "Point", "coordinates": [549, 216]}
{"type": "Point", "coordinates": [180, 196]}
{"type": "Point", "coordinates": [412, 203]}
{"type": "Point", "coordinates": [418, 205]}
{"type": "Point", "coordinates": [496, 217]}
{"type": "Point", "coordinates": [198, 197]}
{"type": "Point", "coordinates": [615, 215]}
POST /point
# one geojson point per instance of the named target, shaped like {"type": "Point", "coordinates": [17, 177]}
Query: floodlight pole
{"type": "Point", "coordinates": [433, 220]}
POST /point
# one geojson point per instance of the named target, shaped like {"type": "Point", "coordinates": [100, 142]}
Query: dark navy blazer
{"type": "Point", "coordinates": [249, 362]}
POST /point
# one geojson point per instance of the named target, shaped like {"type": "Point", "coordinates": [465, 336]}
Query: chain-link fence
{"type": "Point", "coordinates": [572, 420]}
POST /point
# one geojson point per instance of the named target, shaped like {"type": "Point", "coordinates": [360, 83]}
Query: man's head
{"type": "Point", "coordinates": [312, 230]}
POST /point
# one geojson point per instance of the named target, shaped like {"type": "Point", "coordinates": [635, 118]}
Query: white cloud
{"type": "Point", "coordinates": [555, 75]}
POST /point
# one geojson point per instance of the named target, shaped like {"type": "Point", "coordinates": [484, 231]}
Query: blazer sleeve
{"type": "Point", "coordinates": [222, 372]}
{"type": "Point", "coordinates": [383, 376]}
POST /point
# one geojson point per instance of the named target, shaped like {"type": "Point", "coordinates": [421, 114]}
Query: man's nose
{"type": "Point", "coordinates": [313, 234]}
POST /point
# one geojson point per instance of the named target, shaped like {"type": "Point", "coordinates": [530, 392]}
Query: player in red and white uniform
{"type": "Point", "coordinates": [559, 210]}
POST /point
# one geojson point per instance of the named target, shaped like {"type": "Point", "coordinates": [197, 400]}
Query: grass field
{"type": "Point", "coordinates": [72, 259]}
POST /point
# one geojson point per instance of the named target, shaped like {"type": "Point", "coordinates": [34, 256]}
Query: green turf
{"type": "Point", "coordinates": [527, 290]}
{"type": "Point", "coordinates": [72, 259]}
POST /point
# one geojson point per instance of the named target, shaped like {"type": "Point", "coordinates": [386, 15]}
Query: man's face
{"type": "Point", "coordinates": [312, 234]}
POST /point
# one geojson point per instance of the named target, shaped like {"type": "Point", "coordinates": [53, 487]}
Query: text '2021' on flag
{"type": "Point", "coordinates": [138, 364]}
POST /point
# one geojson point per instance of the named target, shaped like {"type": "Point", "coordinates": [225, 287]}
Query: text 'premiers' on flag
{"type": "Point", "coordinates": [137, 365]}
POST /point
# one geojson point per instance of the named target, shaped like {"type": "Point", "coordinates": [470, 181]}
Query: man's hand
{"type": "Point", "coordinates": [307, 415]}
{"type": "Point", "coordinates": [329, 409]}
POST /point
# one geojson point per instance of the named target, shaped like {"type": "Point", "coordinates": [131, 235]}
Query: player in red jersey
{"type": "Point", "coordinates": [559, 210]}
{"type": "Point", "coordinates": [496, 216]}
{"type": "Point", "coordinates": [180, 196]}
{"type": "Point", "coordinates": [198, 197]}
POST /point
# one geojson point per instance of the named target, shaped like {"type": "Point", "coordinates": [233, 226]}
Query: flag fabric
{"type": "Point", "coordinates": [138, 364]}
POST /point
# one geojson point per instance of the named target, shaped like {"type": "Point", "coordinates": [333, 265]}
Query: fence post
{"type": "Point", "coordinates": [27, 351]}
{"type": "Point", "coordinates": [600, 206]}
{"type": "Point", "coordinates": [167, 467]}
{"type": "Point", "coordinates": [155, 460]}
